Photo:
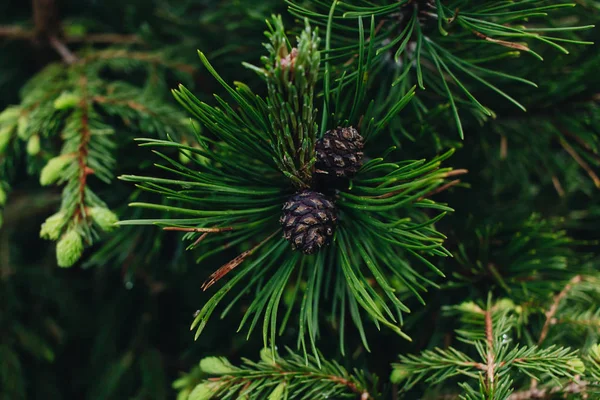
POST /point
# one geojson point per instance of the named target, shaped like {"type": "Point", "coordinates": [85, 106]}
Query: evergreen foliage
{"type": "Point", "coordinates": [383, 203]}
{"type": "Point", "coordinates": [273, 377]}
{"type": "Point", "coordinates": [403, 195]}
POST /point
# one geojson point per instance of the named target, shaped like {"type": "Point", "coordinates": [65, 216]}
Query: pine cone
{"type": "Point", "coordinates": [339, 153]}
{"type": "Point", "coordinates": [308, 221]}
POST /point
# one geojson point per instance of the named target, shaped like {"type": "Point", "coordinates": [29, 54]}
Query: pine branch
{"type": "Point", "coordinates": [261, 169]}
{"type": "Point", "coordinates": [276, 377]}
{"type": "Point", "coordinates": [436, 42]}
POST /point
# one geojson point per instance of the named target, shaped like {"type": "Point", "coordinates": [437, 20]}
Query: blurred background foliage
{"type": "Point", "coordinates": [525, 220]}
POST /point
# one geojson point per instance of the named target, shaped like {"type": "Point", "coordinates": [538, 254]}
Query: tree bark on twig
{"type": "Point", "coordinates": [46, 20]}
{"type": "Point", "coordinates": [48, 29]}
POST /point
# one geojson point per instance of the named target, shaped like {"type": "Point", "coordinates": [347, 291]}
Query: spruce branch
{"type": "Point", "coordinates": [71, 104]}
{"type": "Point", "coordinates": [554, 307]}
{"type": "Point", "coordinates": [487, 330]}
{"type": "Point", "coordinates": [577, 387]}
{"type": "Point", "coordinates": [277, 377]}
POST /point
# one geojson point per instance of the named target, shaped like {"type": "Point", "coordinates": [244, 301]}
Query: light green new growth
{"type": "Point", "coordinates": [52, 227]}
{"type": "Point", "coordinates": [54, 169]}
{"type": "Point", "coordinates": [106, 219]}
{"type": "Point", "coordinates": [69, 249]}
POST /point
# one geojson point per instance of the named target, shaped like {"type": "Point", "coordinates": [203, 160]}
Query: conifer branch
{"type": "Point", "coordinates": [20, 33]}
{"type": "Point", "coordinates": [489, 335]}
{"type": "Point", "coordinates": [82, 150]}
{"type": "Point", "coordinates": [488, 331]}
{"type": "Point", "coordinates": [577, 387]}
{"type": "Point", "coordinates": [276, 377]}
{"type": "Point", "coordinates": [554, 306]}
{"type": "Point", "coordinates": [62, 49]}
{"type": "Point", "coordinates": [145, 57]}
{"type": "Point", "coordinates": [16, 33]}
{"type": "Point", "coordinates": [581, 162]}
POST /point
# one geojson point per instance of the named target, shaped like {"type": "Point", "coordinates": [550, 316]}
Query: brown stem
{"type": "Point", "coordinates": [503, 147]}
{"type": "Point", "coordinates": [441, 189]}
{"type": "Point", "coordinates": [504, 43]}
{"type": "Point", "coordinates": [18, 33]}
{"type": "Point", "coordinates": [227, 268]}
{"type": "Point", "coordinates": [109, 38]}
{"type": "Point", "coordinates": [489, 335]}
{"type": "Point", "coordinates": [554, 307]}
{"type": "Point", "coordinates": [62, 49]}
{"type": "Point", "coordinates": [364, 394]}
{"type": "Point", "coordinates": [577, 386]}
{"type": "Point", "coordinates": [83, 149]}
{"type": "Point", "coordinates": [581, 162]}
{"type": "Point", "coordinates": [582, 143]}
{"type": "Point", "coordinates": [558, 186]}
{"type": "Point", "coordinates": [456, 172]}
{"type": "Point", "coordinates": [46, 19]}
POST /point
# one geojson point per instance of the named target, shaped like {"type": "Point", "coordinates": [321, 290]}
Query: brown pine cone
{"type": "Point", "coordinates": [308, 221]}
{"type": "Point", "coordinates": [339, 153]}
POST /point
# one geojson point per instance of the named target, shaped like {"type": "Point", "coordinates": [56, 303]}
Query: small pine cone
{"type": "Point", "coordinates": [339, 153]}
{"type": "Point", "coordinates": [308, 221]}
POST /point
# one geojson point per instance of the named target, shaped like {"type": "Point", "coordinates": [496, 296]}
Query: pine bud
{"type": "Point", "coordinates": [505, 304]}
{"type": "Point", "coordinates": [10, 114]}
{"type": "Point", "coordinates": [203, 391]}
{"type": "Point", "coordinates": [53, 169]}
{"type": "Point", "coordinates": [52, 227]}
{"type": "Point", "coordinates": [33, 145]}
{"type": "Point", "coordinates": [105, 218]}
{"type": "Point", "coordinates": [66, 100]}
{"type": "Point", "coordinates": [469, 307]}
{"type": "Point", "coordinates": [2, 197]}
{"type": "Point", "coordinates": [216, 366]}
{"type": "Point", "coordinates": [69, 249]}
{"type": "Point", "coordinates": [22, 125]}
{"type": "Point", "coordinates": [278, 392]}
{"type": "Point", "coordinates": [399, 374]}
{"type": "Point", "coordinates": [5, 135]}
{"type": "Point", "coordinates": [576, 365]}
{"type": "Point", "coordinates": [266, 356]}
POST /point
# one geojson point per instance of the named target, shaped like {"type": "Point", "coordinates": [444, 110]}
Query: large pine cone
{"type": "Point", "coordinates": [308, 221]}
{"type": "Point", "coordinates": [339, 153]}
